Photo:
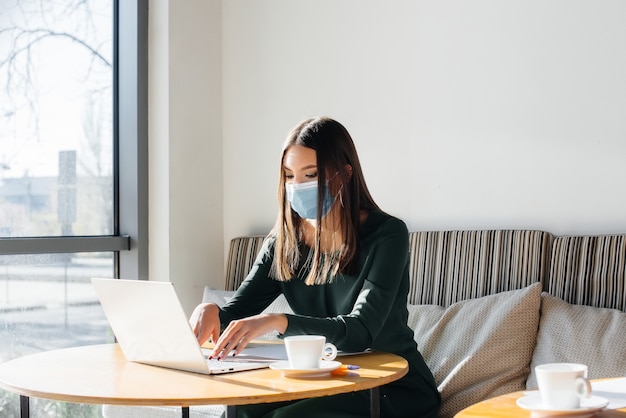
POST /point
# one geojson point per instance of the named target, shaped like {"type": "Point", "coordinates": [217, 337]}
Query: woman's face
{"type": "Point", "coordinates": [300, 164]}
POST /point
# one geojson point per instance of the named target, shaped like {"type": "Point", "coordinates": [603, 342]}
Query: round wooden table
{"type": "Point", "coordinates": [100, 374]}
{"type": "Point", "coordinates": [505, 406]}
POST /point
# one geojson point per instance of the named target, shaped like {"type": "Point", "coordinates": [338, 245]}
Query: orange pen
{"type": "Point", "coordinates": [345, 370]}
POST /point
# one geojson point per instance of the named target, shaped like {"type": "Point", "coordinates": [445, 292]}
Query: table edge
{"type": "Point", "coordinates": [194, 401]}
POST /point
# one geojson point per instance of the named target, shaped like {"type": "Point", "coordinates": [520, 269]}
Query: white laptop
{"type": "Point", "coordinates": [151, 327]}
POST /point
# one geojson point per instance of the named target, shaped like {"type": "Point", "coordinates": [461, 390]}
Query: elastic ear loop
{"type": "Point", "coordinates": [341, 196]}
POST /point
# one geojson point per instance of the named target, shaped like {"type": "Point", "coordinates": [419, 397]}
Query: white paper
{"type": "Point", "coordinates": [613, 389]}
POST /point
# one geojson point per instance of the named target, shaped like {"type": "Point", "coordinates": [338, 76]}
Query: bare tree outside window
{"type": "Point", "coordinates": [56, 95]}
{"type": "Point", "coordinates": [56, 177]}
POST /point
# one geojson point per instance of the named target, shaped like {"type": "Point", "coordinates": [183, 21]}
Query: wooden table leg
{"type": "Point", "coordinates": [24, 407]}
{"type": "Point", "coordinates": [375, 402]}
{"type": "Point", "coordinates": [185, 411]}
{"type": "Point", "coordinates": [231, 411]}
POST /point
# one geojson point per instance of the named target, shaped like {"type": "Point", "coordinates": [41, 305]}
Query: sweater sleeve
{"type": "Point", "coordinates": [382, 272]}
{"type": "Point", "coordinates": [256, 292]}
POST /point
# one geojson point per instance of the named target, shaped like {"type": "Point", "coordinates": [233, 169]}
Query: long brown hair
{"type": "Point", "coordinates": [338, 169]}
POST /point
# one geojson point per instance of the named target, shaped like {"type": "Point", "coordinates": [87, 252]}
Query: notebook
{"type": "Point", "coordinates": [151, 327]}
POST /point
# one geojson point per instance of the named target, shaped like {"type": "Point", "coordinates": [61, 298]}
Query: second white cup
{"type": "Point", "coordinates": [306, 351]}
{"type": "Point", "coordinates": [562, 385]}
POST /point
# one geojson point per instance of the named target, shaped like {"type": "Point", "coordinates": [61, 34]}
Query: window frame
{"type": "Point", "coordinates": [129, 242]}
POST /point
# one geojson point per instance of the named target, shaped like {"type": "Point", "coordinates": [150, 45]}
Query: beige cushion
{"type": "Point", "coordinates": [220, 297]}
{"type": "Point", "coordinates": [478, 348]}
{"type": "Point", "coordinates": [580, 334]}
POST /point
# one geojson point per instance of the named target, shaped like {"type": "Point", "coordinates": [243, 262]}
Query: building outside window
{"type": "Point", "coordinates": [62, 66]}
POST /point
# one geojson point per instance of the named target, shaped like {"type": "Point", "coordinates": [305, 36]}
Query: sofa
{"type": "Point", "coordinates": [486, 307]}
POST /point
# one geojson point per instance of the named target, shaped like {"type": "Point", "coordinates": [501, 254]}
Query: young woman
{"type": "Point", "coordinates": [342, 264]}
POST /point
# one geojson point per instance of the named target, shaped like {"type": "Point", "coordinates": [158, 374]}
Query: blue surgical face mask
{"type": "Point", "coordinates": [303, 199]}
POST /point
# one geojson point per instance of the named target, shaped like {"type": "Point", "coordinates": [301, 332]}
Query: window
{"type": "Point", "coordinates": [73, 172]}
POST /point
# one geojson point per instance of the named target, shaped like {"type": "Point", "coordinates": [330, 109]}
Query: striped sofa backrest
{"type": "Point", "coordinates": [589, 270]}
{"type": "Point", "coordinates": [241, 256]}
{"type": "Point", "coordinates": [449, 266]}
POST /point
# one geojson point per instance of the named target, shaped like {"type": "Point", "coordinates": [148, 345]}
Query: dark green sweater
{"type": "Point", "coordinates": [367, 310]}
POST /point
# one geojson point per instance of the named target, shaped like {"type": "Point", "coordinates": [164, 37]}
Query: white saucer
{"type": "Point", "coordinates": [588, 406]}
{"type": "Point", "coordinates": [325, 368]}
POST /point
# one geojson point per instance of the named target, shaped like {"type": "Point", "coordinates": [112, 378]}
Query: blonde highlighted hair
{"type": "Point", "coordinates": [338, 169]}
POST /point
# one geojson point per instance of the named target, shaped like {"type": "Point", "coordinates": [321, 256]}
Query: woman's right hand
{"type": "Point", "coordinates": [205, 322]}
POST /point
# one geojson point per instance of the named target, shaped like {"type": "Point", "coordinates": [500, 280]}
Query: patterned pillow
{"type": "Point", "coordinates": [478, 348]}
{"type": "Point", "coordinates": [580, 334]}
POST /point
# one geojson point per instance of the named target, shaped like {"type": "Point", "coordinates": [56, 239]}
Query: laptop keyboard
{"type": "Point", "coordinates": [215, 364]}
{"type": "Point", "coordinates": [222, 364]}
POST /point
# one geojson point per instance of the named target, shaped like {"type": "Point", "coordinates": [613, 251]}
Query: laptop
{"type": "Point", "coordinates": [151, 327]}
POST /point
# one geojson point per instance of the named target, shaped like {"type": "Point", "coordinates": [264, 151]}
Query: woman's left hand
{"type": "Point", "coordinates": [241, 331]}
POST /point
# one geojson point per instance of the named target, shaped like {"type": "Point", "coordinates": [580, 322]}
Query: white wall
{"type": "Point", "coordinates": [185, 141]}
{"type": "Point", "coordinates": [467, 114]}
{"type": "Point", "coordinates": [481, 114]}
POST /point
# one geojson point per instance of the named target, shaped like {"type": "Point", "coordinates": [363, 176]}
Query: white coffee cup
{"type": "Point", "coordinates": [306, 351]}
{"type": "Point", "coordinates": [562, 385]}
